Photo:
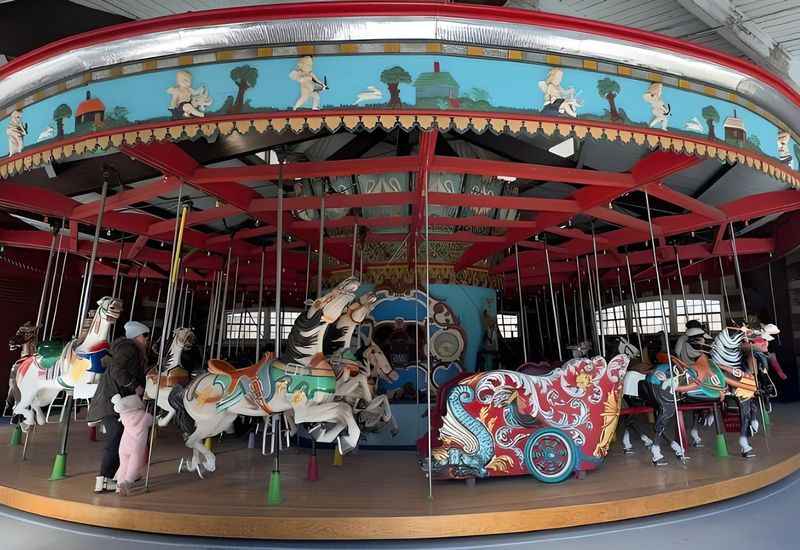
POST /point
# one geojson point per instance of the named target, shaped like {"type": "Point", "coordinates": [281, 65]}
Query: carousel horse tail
{"type": "Point", "coordinates": [183, 419]}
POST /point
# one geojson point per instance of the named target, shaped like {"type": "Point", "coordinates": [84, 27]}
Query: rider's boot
{"type": "Point", "coordinates": [103, 484]}
{"type": "Point", "coordinates": [646, 440]}
{"type": "Point", "coordinates": [745, 448]}
{"type": "Point", "coordinates": [658, 458]}
{"type": "Point", "coordinates": [680, 452]}
{"type": "Point", "coordinates": [626, 443]}
{"type": "Point", "coordinates": [697, 442]}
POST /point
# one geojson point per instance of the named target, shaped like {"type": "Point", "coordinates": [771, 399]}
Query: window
{"type": "Point", "coordinates": [287, 322]}
{"type": "Point", "coordinates": [508, 323]}
{"type": "Point", "coordinates": [650, 318]}
{"type": "Point", "coordinates": [711, 314]}
{"type": "Point", "coordinates": [613, 321]}
{"type": "Point", "coordinates": [242, 325]}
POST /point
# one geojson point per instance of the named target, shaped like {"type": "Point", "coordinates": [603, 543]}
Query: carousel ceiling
{"type": "Point", "coordinates": [471, 138]}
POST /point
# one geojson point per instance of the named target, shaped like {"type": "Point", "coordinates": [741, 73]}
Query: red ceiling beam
{"type": "Point", "coordinates": [35, 199]}
{"type": "Point", "coordinates": [623, 220]}
{"type": "Point", "coordinates": [142, 193]}
{"type": "Point", "coordinates": [481, 167]}
{"type": "Point", "coordinates": [508, 202]}
{"type": "Point", "coordinates": [691, 204]}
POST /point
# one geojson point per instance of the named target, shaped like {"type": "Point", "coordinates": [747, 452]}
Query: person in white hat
{"type": "Point", "coordinates": [125, 369]}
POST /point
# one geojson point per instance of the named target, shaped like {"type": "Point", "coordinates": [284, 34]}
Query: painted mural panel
{"type": "Point", "coordinates": [391, 81]}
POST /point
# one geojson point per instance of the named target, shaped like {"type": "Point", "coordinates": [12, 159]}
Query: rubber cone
{"type": "Point", "coordinates": [720, 446]}
{"type": "Point", "coordinates": [16, 436]}
{"type": "Point", "coordinates": [274, 489]}
{"type": "Point", "coordinates": [251, 440]}
{"type": "Point", "coordinates": [209, 443]}
{"type": "Point", "coordinates": [312, 473]}
{"type": "Point", "coordinates": [92, 433]}
{"type": "Point", "coordinates": [337, 457]}
{"type": "Point", "coordinates": [59, 468]}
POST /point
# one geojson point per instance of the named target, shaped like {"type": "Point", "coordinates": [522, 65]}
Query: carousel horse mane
{"type": "Point", "coordinates": [727, 348]}
{"type": "Point", "coordinates": [330, 343]}
{"type": "Point", "coordinates": [304, 335]}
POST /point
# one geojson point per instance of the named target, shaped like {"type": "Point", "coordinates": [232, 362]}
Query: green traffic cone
{"type": "Point", "coordinates": [767, 421]}
{"type": "Point", "coordinates": [16, 436]}
{"type": "Point", "coordinates": [59, 467]}
{"type": "Point", "coordinates": [720, 446]}
{"type": "Point", "coordinates": [274, 490]}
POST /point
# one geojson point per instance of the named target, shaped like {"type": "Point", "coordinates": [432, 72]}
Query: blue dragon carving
{"type": "Point", "coordinates": [463, 463]}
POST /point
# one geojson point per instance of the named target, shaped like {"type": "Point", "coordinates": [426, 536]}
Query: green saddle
{"type": "Point", "coordinates": [49, 351]}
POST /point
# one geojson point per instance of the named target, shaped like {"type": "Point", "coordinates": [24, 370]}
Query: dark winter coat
{"type": "Point", "coordinates": [125, 369]}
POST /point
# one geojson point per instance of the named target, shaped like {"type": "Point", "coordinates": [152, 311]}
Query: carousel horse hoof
{"type": "Point", "coordinates": [748, 454]}
{"type": "Point", "coordinates": [199, 471]}
{"type": "Point", "coordinates": [697, 444]}
{"type": "Point", "coordinates": [660, 462]}
{"type": "Point", "coordinates": [629, 451]}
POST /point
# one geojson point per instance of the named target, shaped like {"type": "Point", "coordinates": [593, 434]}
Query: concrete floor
{"type": "Point", "coordinates": [763, 519]}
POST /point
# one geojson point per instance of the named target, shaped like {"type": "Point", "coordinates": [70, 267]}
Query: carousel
{"type": "Point", "coordinates": [409, 270]}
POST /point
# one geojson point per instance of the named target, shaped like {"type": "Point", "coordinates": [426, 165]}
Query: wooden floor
{"type": "Point", "coordinates": [378, 494]}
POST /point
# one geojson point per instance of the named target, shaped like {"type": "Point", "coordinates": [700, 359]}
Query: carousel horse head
{"type": "Point", "coordinates": [581, 349]}
{"type": "Point", "coordinates": [335, 301]}
{"type": "Point", "coordinates": [627, 349]}
{"type": "Point", "coordinates": [109, 309]}
{"type": "Point", "coordinates": [379, 364]}
{"type": "Point", "coordinates": [25, 334]}
{"type": "Point", "coordinates": [361, 309]}
{"type": "Point", "coordinates": [183, 337]}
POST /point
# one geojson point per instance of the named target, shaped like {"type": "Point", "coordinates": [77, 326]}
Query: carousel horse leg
{"type": "Point", "coordinates": [694, 433]}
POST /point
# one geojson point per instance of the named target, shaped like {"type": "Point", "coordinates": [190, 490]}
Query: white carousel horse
{"type": "Point", "coordinates": [173, 373]}
{"type": "Point", "coordinates": [41, 379]}
{"type": "Point", "coordinates": [303, 382]}
{"type": "Point", "coordinates": [24, 340]}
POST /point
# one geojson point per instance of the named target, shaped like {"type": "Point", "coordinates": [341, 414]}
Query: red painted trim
{"type": "Point", "coordinates": [336, 10]}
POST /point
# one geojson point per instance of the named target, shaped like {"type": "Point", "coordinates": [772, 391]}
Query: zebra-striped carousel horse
{"type": "Point", "coordinates": [173, 373]}
{"type": "Point", "coordinates": [723, 370]}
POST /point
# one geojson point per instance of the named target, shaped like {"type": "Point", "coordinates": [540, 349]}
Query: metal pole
{"type": "Point", "coordinates": [539, 324]}
{"type": "Point", "coordinates": [353, 260]}
{"type": "Point", "coordinates": [83, 288]}
{"type": "Point", "coordinates": [279, 270]}
{"type": "Point", "coordinates": [84, 306]}
{"type": "Point", "coordinates": [116, 274]}
{"type": "Point", "coordinates": [594, 317]}
{"type": "Point", "coordinates": [233, 304]}
{"type": "Point", "coordinates": [522, 324]}
{"type": "Point", "coordinates": [58, 294]}
{"type": "Point", "coordinates": [223, 320]}
{"type": "Point", "coordinates": [634, 305]}
{"type": "Point", "coordinates": [580, 294]}
{"type": "Point", "coordinates": [703, 296]}
{"type": "Point", "coordinates": [133, 299]}
{"type": "Point", "coordinates": [180, 224]}
{"type": "Point", "coordinates": [664, 319]}
{"type": "Point", "coordinates": [599, 294]}
{"type": "Point", "coordinates": [566, 314]}
{"type": "Point", "coordinates": [724, 291]}
{"type": "Point", "coordinates": [428, 333]}
{"type": "Point", "coordinates": [52, 285]}
{"type": "Point", "coordinates": [155, 312]}
{"type": "Point", "coordinates": [321, 243]}
{"type": "Point", "coordinates": [772, 295]}
{"type": "Point", "coordinates": [575, 313]}
{"type": "Point", "coordinates": [308, 271]}
{"type": "Point", "coordinates": [211, 318]}
{"type": "Point", "coordinates": [683, 289]}
{"type": "Point", "coordinates": [746, 320]}
{"type": "Point", "coordinates": [191, 309]}
{"type": "Point", "coordinates": [553, 300]}
{"type": "Point", "coordinates": [46, 284]}
{"type": "Point", "coordinates": [259, 330]}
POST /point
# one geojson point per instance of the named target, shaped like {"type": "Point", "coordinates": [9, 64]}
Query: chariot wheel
{"type": "Point", "coordinates": [550, 455]}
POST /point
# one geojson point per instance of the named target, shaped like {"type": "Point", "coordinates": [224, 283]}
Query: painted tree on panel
{"type": "Point", "coordinates": [609, 89]}
{"type": "Point", "coordinates": [393, 77]}
{"type": "Point", "coordinates": [62, 111]}
{"type": "Point", "coordinates": [245, 77]}
{"type": "Point", "coordinates": [711, 115]}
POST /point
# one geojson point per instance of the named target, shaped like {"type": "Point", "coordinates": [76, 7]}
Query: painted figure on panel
{"type": "Point", "coordinates": [783, 148]}
{"type": "Point", "coordinates": [310, 85]}
{"type": "Point", "coordinates": [558, 100]}
{"type": "Point", "coordinates": [660, 110]}
{"type": "Point", "coordinates": [186, 101]}
{"type": "Point", "coordinates": [16, 132]}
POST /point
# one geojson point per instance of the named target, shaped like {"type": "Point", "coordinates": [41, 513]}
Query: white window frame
{"type": "Point", "coordinates": [508, 325]}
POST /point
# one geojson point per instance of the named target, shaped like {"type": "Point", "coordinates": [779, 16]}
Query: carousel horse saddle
{"type": "Point", "coordinates": [49, 351]}
{"type": "Point", "coordinates": [223, 368]}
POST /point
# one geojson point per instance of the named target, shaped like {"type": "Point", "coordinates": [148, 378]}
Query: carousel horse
{"type": "Point", "coordinates": [172, 375]}
{"type": "Point", "coordinates": [701, 381]}
{"type": "Point", "coordinates": [47, 373]}
{"type": "Point", "coordinates": [303, 383]}
{"type": "Point", "coordinates": [24, 340]}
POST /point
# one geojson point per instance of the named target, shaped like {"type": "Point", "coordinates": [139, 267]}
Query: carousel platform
{"type": "Point", "coordinates": [377, 494]}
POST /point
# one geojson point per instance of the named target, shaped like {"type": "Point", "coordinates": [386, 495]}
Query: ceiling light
{"type": "Point", "coordinates": [507, 178]}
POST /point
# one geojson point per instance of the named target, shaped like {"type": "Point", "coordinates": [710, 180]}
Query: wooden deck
{"type": "Point", "coordinates": [377, 494]}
